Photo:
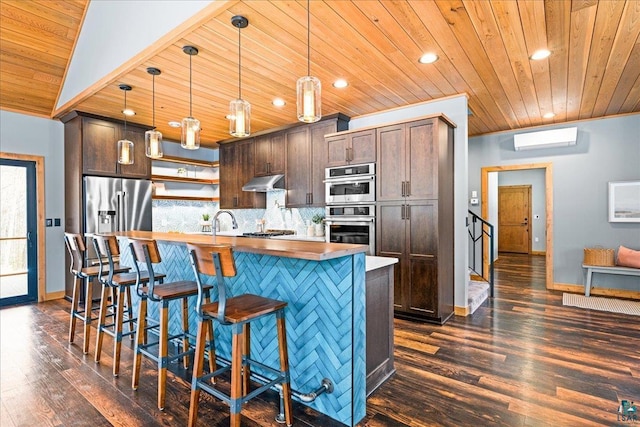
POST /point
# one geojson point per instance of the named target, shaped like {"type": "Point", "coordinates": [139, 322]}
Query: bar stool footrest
{"type": "Point", "coordinates": [155, 357]}
{"type": "Point", "coordinates": [204, 385]}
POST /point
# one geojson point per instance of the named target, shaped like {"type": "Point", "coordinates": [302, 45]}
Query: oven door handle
{"type": "Point", "coordinates": [352, 219]}
{"type": "Point", "coordinates": [348, 179]}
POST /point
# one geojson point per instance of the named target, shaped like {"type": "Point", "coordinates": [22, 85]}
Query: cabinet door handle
{"type": "Point", "coordinates": [268, 167]}
{"type": "Point", "coordinates": [310, 198]}
{"type": "Point", "coordinates": [402, 189]}
{"type": "Point", "coordinates": [408, 212]}
{"type": "Point", "coordinates": [408, 189]}
{"type": "Point", "coordinates": [402, 211]}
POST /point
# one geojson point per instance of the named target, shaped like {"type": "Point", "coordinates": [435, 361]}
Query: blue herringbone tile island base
{"type": "Point", "coordinates": [325, 320]}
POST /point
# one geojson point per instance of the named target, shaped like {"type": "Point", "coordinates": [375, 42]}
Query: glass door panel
{"type": "Point", "coordinates": [18, 264]}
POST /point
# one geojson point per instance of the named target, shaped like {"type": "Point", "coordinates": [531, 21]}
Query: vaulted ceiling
{"type": "Point", "coordinates": [483, 48]}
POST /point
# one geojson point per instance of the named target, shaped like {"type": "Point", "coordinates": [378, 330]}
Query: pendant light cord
{"type": "Point", "coordinates": [239, 66]}
{"type": "Point", "coordinates": [125, 114]}
{"type": "Point", "coordinates": [190, 81]}
{"type": "Point", "coordinates": [153, 101]}
{"type": "Point", "coordinates": [308, 38]}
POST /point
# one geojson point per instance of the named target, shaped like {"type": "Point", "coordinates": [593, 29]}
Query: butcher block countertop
{"type": "Point", "coordinates": [313, 251]}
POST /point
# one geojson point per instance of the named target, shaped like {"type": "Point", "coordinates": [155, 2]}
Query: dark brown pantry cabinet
{"type": "Point", "coordinates": [236, 169]}
{"type": "Point", "coordinates": [415, 214]}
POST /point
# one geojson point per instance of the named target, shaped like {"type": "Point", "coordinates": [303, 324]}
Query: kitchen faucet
{"type": "Point", "coordinates": [216, 222]}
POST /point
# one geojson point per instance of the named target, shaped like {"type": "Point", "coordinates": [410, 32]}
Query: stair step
{"type": "Point", "coordinates": [478, 293]}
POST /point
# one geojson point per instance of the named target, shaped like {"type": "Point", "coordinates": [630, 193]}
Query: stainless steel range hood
{"type": "Point", "coordinates": [264, 183]}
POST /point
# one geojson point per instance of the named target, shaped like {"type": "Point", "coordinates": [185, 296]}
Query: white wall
{"type": "Point", "coordinates": [113, 32]}
{"type": "Point", "coordinates": [455, 108]}
{"type": "Point", "coordinates": [22, 134]}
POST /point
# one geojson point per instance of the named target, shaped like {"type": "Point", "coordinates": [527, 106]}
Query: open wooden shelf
{"type": "Point", "coordinates": [184, 179]}
{"type": "Point", "coordinates": [183, 160]}
{"type": "Point", "coordinates": [191, 198]}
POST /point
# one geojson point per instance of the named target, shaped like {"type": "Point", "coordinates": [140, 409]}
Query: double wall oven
{"type": "Point", "coordinates": [350, 205]}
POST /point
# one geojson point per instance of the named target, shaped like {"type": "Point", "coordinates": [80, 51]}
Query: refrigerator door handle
{"type": "Point", "coordinates": [120, 196]}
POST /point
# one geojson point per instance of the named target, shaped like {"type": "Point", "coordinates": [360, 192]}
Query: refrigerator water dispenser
{"type": "Point", "coordinates": [106, 221]}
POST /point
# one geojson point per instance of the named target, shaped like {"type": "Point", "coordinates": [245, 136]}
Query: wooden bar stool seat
{"type": "Point", "coordinates": [237, 313]}
{"type": "Point", "coordinates": [120, 283]}
{"type": "Point", "coordinates": [82, 275]}
{"type": "Point", "coordinates": [146, 252]}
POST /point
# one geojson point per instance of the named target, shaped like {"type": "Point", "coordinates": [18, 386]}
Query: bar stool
{"type": "Point", "coordinates": [146, 252]}
{"type": "Point", "coordinates": [121, 283]}
{"type": "Point", "coordinates": [76, 248]}
{"type": "Point", "coordinates": [236, 312]}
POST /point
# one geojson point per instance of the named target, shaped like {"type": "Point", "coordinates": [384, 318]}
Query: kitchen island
{"type": "Point", "coordinates": [324, 286]}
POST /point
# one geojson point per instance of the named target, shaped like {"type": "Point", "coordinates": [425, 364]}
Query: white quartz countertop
{"type": "Point", "coordinates": [376, 262]}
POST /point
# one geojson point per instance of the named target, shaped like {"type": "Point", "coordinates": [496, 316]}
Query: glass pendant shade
{"type": "Point", "coordinates": [125, 152]}
{"type": "Point", "coordinates": [153, 144]}
{"type": "Point", "coordinates": [309, 99]}
{"type": "Point", "coordinates": [239, 118]}
{"type": "Point", "coordinates": [190, 133]}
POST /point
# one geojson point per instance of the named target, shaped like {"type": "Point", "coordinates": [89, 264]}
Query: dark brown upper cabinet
{"type": "Point", "coordinates": [351, 148]}
{"type": "Point", "coordinates": [91, 145]}
{"type": "Point", "coordinates": [269, 154]}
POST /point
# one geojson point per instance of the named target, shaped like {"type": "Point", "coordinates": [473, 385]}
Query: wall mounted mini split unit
{"type": "Point", "coordinates": [545, 139]}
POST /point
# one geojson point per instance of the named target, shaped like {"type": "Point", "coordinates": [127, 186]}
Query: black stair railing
{"type": "Point", "coordinates": [481, 248]}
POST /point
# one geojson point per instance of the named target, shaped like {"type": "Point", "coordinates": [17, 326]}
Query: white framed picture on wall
{"type": "Point", "coordinates": [624, 201]}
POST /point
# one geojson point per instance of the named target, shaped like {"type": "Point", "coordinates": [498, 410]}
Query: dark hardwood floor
{"type": "Point", "coordinates": [522, 359]}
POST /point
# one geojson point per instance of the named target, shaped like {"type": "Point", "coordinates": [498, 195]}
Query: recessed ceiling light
{"type": "Point", "coordinates": [549, 115]}
{"type": "Point", "coordinates": [428, 58]}
{"type": "Point", "coordinates": [175, 124]}
{"type": "Point", "coordinates": [128, 112]}
{"type": "Point", "coordinates": [278, 102]}
{"type": "Point", "coordinates": [340, 83]}
{"type": "Point", "coordinates": [540, 54]}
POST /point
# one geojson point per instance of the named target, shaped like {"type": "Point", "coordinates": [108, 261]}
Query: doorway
{"type": "Point", "coordinates": [514, 213]}
{"type": "Point", "coordinates": [548, 220]}
{"type": "Point", "coordinates": [18, 232]}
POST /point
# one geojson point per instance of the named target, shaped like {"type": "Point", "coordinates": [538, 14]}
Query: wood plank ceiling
{"type": "Point", "coordinates": [483, 48]}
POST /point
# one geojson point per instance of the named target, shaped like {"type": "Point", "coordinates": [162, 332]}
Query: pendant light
{"type": "Point", "coordinates": [153, 138]}
{"type": "Point", "coordinates": [308, 87]}
{"type": "Point", "coordinates": [190, 126]}
{"type": "Point", "coordinates": [125, 147]}
{"type": "Point", "coordinates": [239, 110]}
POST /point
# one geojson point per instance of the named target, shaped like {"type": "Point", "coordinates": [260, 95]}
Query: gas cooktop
{"type": "Point", "coordinates": [268, 233]}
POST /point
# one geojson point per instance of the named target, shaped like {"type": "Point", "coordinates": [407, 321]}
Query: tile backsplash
{"type": "Point", "coordinates": [185, 216]}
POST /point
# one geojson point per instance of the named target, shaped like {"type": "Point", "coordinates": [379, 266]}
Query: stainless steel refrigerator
{"type": "Point", "coordinates": [115, 204]}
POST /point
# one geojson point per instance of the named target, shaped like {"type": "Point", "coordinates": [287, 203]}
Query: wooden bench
{"type": "Point", "coordinates": [625, 271]}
